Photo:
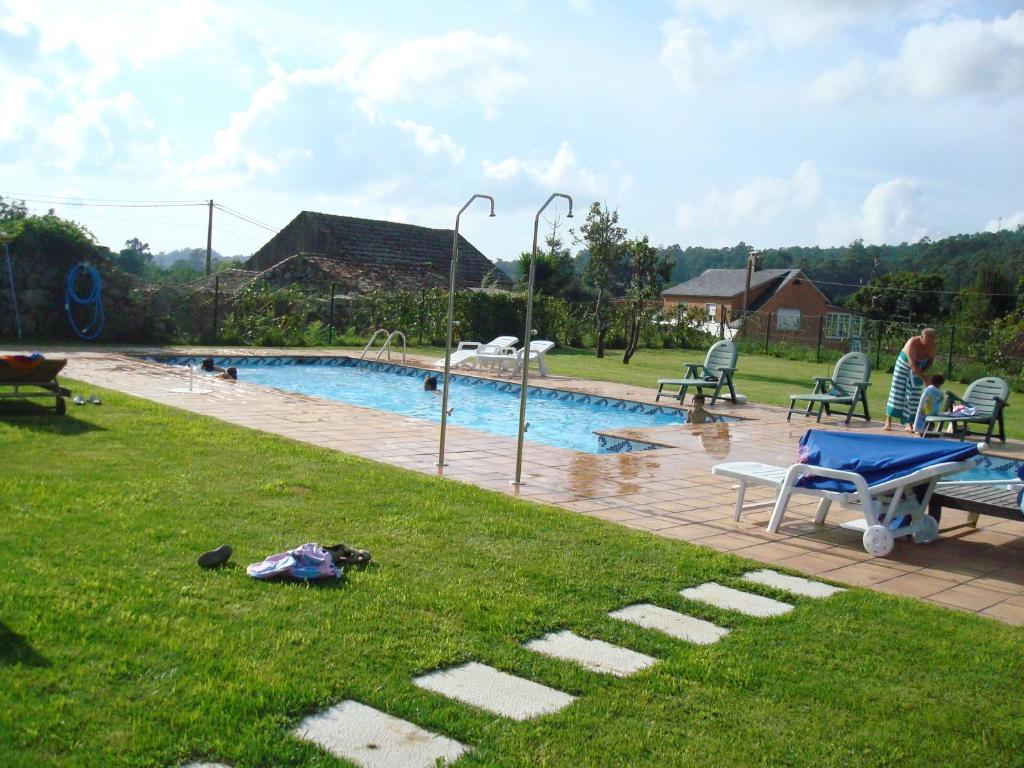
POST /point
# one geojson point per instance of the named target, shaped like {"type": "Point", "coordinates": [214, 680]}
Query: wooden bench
{"type": "Point", "coordinates": [991, 500]}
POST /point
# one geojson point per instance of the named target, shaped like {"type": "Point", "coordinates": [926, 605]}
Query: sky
{"type": "Point", "coordinates": [703, 122]}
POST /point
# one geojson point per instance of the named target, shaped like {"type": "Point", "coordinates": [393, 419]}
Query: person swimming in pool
{"type": "Point", "coordinates": [430, 384]}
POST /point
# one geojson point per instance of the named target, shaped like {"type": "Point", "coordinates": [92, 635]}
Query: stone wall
{"type": "Point", "coordinates": [40, 290]}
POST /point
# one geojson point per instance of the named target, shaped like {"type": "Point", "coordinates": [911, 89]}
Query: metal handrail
{"type": "Point", "coordinates": [370, 342]}
{"type": "Point", "coordinates": [387, 346]}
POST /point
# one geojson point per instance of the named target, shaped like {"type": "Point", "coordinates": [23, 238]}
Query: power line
{"type": "Point", "coordinates": [67, 200]}
{"type": "Point", "coordinates": [81, 204]}
{"type": "Point", "coordinates": [964, 292]}
{"type": "Point", "coordinates": [247, 219]}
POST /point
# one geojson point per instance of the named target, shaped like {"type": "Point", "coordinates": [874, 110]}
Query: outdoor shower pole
{"type": "Point", "coordinates": [528, 334]}
{"type": "Point", "coordinates": [451, 312]}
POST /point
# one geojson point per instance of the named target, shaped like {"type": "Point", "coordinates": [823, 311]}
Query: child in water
{"type": "Point", "coordinates": [430, 384]}
{"type": "Point", "coordinates": [931, 403]}
{"type": "Point", "coordinates": [696, 413]}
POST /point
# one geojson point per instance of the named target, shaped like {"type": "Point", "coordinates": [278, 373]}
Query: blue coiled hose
{"type": "Point", "coordinates": [95, 325]}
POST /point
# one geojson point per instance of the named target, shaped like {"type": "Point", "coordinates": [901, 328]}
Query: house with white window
{"type": "Point", "coordinates": [795, 306]}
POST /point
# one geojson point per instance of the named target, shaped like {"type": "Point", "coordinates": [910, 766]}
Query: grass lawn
{"type": "Point", "coordinates": [116, 650]}
{"type": "Point", "coordinates": [763, 379]}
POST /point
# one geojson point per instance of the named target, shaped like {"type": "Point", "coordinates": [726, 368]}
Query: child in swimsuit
{"type": "Point", "coordinates": [931, 402]}
{"type": "Point", "coordinates": [696, 413]}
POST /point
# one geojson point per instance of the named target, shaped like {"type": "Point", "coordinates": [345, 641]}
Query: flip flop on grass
{"type": "Point", "coordinates": [215, 557]}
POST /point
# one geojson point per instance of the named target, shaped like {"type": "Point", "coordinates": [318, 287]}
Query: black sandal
{"type": "Point", "coordinates": [343, 554]}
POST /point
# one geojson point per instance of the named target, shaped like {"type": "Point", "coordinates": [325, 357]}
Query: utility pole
{"type": "Point", "coordinates": [209, 240]}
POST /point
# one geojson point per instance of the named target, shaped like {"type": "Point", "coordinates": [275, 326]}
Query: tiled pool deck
{"type": "Point", "coordinates": [668, 492]}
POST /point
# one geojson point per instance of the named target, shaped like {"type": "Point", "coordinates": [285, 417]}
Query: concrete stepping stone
{"type": "Point", "coordinates": [595, 655]}
{"type": "Point", "coordinates": [677, 625]}
{"type": "Point", "coordinates": [499, 692]}
{"type": "Point", "coordinates": [373, 739]}
{"type": "Point", "coordinates": [730, 599]}
{"type": "Point", "coordinates": [794, 584]}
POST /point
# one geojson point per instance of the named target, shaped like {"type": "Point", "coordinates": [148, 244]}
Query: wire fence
{"type": "Point", "coordinates": [232, 308]}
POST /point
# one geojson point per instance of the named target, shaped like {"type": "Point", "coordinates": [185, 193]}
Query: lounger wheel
{"type": "Point", "coordinates": [878, 540]}
{"type": "Point", "coordinates": [929, 530]}
{"type": "Point", "coordinates": [60, 407]}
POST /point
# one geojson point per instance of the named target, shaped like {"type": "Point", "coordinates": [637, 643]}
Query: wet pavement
{"type": "Point", "coordinates": [668, 492]}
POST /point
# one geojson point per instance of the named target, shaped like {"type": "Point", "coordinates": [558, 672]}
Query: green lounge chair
{"type": "Point", "coordinates": [988, 397]}
{"type": "Point", "coordinates": [848, 386]}
{"type": "Point", "coordinates": [715, 373]}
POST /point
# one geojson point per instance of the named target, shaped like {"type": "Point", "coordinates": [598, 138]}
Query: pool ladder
{"type": "Point", "coordinates": [386, 347]}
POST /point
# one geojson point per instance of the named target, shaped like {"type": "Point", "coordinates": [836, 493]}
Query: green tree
{"type": "Point", "coordinates": [554, 271]}
{"type": "Point", "coordinates": [901, 296]}
{"type": "Point", "coordinates": [12, 210]}
{"type": "Point", "coordinates": [649, 269]}
{"type": "Point", "coordinates": [134, 257]}
{"type": "Point", "coordinates": [993, 296]}
{"type": "Point", "coordinates": [605, 241]}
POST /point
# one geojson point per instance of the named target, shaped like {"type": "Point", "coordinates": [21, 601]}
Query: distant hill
{"type": "Point", "coordinates": [510, 268]}
{"type": "Point", "coordinates": [194, 257]}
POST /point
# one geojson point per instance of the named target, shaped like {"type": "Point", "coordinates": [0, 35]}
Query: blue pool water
{"type": "Point", "coordinates": [556, 417]}
{"type": "Point", "coordinates": [990, 468]}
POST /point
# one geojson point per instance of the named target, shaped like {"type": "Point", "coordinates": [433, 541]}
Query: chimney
{"type": "Point", "coordinates": [753, 264]}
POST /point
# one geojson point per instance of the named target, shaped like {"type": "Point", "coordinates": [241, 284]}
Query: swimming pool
{"type": "Point", "coordinates": [990, 468]}
{"type": "Point", "coordinates": [555, 417]}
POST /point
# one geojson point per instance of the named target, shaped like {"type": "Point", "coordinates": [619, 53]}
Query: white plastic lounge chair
{"type": "Point", "coordinates": [985, 398]}
{"type": "Point", "coordinates": [889, 478]}
{"type": "Point", "coordinates": [468, 350]}
{"type": "Point", "coordinates": [538, 350]}
{"type": "Point", "coordinates": [848, 386]}
{"type": "Point", "coordinates": [716, 372]}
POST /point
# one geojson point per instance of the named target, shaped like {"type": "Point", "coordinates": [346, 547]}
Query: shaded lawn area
{"type": "Point", "coordinates": [762, 378]}
{"type": "Point", "coordinates": [115, 649]}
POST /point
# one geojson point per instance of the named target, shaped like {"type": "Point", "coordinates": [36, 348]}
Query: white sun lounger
{"type": "Point", "coordinates": [882, 504]}
{"type": "Point", "coordinates": [751, 473]}
{"type": "Point", "coordinates": [467, 351]}
{"type": "Point", "coordinates": [538, 349]}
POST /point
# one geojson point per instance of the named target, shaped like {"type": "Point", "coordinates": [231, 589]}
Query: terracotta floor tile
{"type": "Point", "coordinates": [653, 523]}
{"type": "Point", "coordinates": [771, 552]}
{"type": "Point", "coordinates": [863, 574]}
{"type": "Point", "coordinates": [730, 542]}
{"type": "Point", "coordinates": [914, 585]}
{"type": "Point", "coordinates": [1005, 611]}
{"type": "Point", "coordinates": [814, 562]}
{"type": "Point", "coordinates": [968, 597]}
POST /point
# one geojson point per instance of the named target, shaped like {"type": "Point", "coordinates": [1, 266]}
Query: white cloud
{"type": "Point", "coordinates": [759, 200]}
{"type": "Point", "coordinates": [794, 23]}
{"type": "Point", "coordinates": [956, 57]}
{"type": "Point", "coordinates": [892, 212]}
{"type": "Point", "coordinates": [562, 172]}
{"type": "Point", "coordinates": [21, 94]}
{"type": "Point", "coordinates": [1010, 222]}
{"type": "Point", "coordinates": [693, 59]}
{"type": "Point", "coordinates": [431, 142]}
{"type": "Point", "coordinates": [108, 35]}
{"type": "Point", "coordinates": [444, 69]}
{"type": "Point", "coordinates": [97, 134]}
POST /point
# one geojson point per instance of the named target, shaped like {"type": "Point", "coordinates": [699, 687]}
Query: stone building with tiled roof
{"type": "Point", "coordinates": [364, 255]}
